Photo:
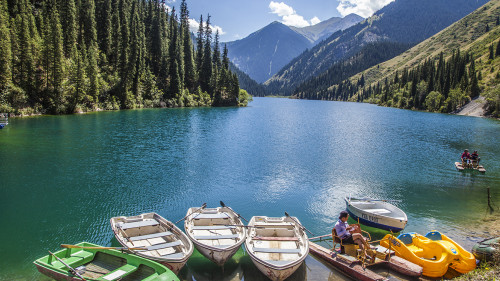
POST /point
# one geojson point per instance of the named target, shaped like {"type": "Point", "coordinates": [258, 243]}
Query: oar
{"type": "Point", "coordinates": [383, 200]}
{"type": "Point", "coordinates": [240, 225]}
{"type": "Point", "coordinates": [286, 214]}
{"type": "Point", "coordinates": [104, 248]}
{"type": "Point", "coordinates": [239, 216]}
{"type": "Point", "coordinates": [202, 207]}
{"type": "Point", "coordinates": [72, 270]}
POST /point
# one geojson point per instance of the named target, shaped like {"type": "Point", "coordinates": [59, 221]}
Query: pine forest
{"type": "Point", "coordinates": [67, 56]}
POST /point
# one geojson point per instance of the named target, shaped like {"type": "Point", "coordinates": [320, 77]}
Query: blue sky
{"type": "Point", "coordinates": [236, 19]}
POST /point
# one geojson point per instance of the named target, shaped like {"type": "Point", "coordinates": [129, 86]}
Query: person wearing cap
{"type": "Point", "coordinates": [465, 158]}
{"type": "Point", "coordinates": [342, 228]}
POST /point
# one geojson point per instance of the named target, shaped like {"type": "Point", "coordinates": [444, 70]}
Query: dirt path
{"type": "Point", "coordinates": [474, 108]}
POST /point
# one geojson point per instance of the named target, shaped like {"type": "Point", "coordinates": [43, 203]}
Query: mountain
{"type": "Point", "coordinates": [402, 21]}
{"type": "Point", "coordinates": [264, 52]}
{"type": "Point", "coordinates": [318, 32]}
{"type": "Point", "coordinates": [440, 74]}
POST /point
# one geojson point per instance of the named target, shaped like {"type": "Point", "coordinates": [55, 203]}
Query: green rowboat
{"type": "Point", "coordinates": [101, 264]}
{"type": "Point", "coordinates": [486, 249]}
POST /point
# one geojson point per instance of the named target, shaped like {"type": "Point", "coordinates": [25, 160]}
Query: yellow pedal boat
{"type": "Point", "coordinates": [435, 252]}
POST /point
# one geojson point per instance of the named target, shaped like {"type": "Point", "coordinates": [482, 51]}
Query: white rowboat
{"type": "Point", "coordinates": [376, 213]}
{"type": "Point", "coordinates": [277, 246]}
{"type": "Point", "coordinates": [217, 233]}
{"type": "Point", "coordinates": [166, 243]}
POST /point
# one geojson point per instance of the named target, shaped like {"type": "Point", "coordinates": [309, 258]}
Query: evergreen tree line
{"type": "Point", "coordinates": [65, 56]}
{"type": "Point", "coordinates": [436, 85]}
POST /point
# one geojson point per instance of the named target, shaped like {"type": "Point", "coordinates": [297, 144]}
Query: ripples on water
{"type": "Point", "coordinates": [63, 177]}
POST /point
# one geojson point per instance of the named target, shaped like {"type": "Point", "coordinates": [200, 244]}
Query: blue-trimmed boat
{"type": "Point", "coordinates": [377, 213]}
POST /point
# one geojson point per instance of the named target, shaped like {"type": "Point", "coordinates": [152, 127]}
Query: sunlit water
{"type": "Point", "coordinates": [63, 177]}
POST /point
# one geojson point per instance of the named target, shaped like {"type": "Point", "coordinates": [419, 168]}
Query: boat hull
{"type": "Point", "coordinates": [485, 249]}
{"type": "Point", "coordinates": [174, 264]}
{"type": "Point", "coordinates": [374, 220]}
{"type": "Point", "coordinates": [92, 262]}
{"type": "Point", "coordinates": [436, 252]}
{"type": "Point", "coordinates": [461, 168]}
{"type": "Point", "coordinates": [218, 256]}
{"type": "Point", "coordinates": [204, 226]}
{"type": "Point", "coordinates": [275, 273]}
{"type": "Point", "coordinates": [277, 246]}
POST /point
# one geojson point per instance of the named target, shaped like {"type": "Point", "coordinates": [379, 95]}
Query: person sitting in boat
{"type": "Point", "coordinates": [342, 228]}
{"type": "Point", "coordinates": [475, 158]}
{"type": "Point", "coordinates": [465, 158]}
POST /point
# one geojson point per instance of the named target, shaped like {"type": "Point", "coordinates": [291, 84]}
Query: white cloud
{"type": "Point", "coordinates": [315, 20]}
{"type": "Point", "coordinates": [194, 25]}
{"type": "Point", "coordinates": [364, 8]}
{"type": "Point", "coordinates": [289, 16]}
{"type": "Point", "coordinates": [281, 9]}
{"type": "Point", "coordinates": [170, 1]}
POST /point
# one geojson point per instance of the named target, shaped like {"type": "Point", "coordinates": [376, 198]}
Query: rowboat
{"type": "Point", "coordinates": [100, 264]}
{"type": "Point", "coordinates": [165, 242]}
{"type": "Point", "coordinates": [217, 233]}
{"type": "Point", "coordinates": [486, 249]}
{"type": "Point", "coordinates": [376, 213]}
{"type": "Point", "coordinates": [435, 252]}
{"type": "Point", "coordinates": [277, 246]}
{"type": "Point", "coordinates": [475, 167]}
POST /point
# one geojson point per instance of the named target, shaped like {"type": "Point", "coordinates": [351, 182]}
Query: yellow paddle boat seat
{"type": "Point", "coordinates": [435, 252]}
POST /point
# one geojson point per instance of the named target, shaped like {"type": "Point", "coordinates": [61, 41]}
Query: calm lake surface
{"type": "Point", "coordinates": [63, 177]}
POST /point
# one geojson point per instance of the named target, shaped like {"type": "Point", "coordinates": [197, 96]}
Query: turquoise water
{"type": "Point", "coordinates": [63, 177]}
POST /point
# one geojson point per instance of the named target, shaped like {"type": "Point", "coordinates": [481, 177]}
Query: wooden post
{"type": "Point", "coordinates": [489, 199]}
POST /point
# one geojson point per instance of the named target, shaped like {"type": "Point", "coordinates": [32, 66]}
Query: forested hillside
{"type": "Point", "coordinates": [65, 56]}
{"type": "Point", "coordinates": [440, 74]}
{"type": "Point", "coordinates": [403, 21]}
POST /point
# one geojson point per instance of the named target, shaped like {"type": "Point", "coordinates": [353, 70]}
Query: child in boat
{"type": "Point", "coordinates": [465, 158]}
{"type": "Point", "coordinates": [475, 158]}
{"type": "Point", "coordinates": [342, 228]}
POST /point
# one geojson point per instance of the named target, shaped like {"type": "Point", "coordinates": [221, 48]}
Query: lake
{"type": "Point", "coordinates": [63, 177]}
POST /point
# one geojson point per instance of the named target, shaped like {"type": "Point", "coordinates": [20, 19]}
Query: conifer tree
{"type": "Point", "coordinates": [26, 60]}
{"type": "Point", "coordinates": [199, 45]}
{"type": "Point", "coordinates": [115, 34]}
{"type": "Point", "coordinates": [498, 49]}
{"type": "Point", "coordinates": [175, 86]}
{"type": "Point", "coordinates": [206, 66]}
{"type": "Point", "coordinates": [89, 24]}
{"type": "Point", "coordinates": [105, 27]}
{"type": "Point", "coordinates": [5, 48]}
{"type": "Point", "coordinates": [77, 80]}
{"type": "Point", "coordinates": [492, 53]}
{"type": "Point", "coordinates": [68, 21]}
{"type": "Point", "coordinates": [189, 68]}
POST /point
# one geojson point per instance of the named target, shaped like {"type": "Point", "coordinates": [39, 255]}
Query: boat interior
{"type": "Point", "coordinates": [216, 227]}
{"type": "Point", "coordinates": [378, 208]}
{"type": "Point", "coordinates": [276, 240]}
{"type": "Point", "coordinates": [158, 236]}
{"type": "Point", "coordinates": [100, 265]}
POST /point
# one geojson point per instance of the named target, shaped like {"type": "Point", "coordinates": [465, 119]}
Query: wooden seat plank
{"type": "Point", "coordinates": [129, 225]}
{"type": "Point", "coordinates": [275, 238]}
{"type": "Point", "coordinates": [216, 237]}
{"type": "Point", "coordinates": [149, 236]}
{"type": "Point", "coordinates": [277, 250]}
{"type": "Point", "coordinates": [163, 246]}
